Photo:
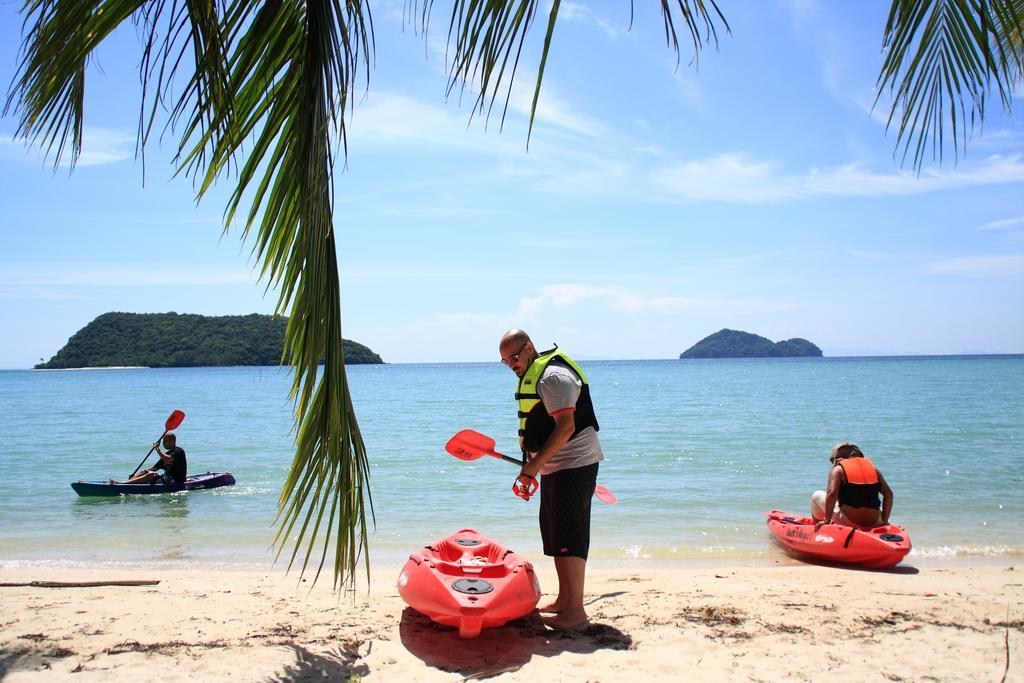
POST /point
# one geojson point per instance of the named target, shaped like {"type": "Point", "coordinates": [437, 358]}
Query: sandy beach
{"type": "Point", "coordinates": [795, 622]}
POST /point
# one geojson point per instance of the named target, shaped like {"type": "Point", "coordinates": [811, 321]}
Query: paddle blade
{"type": "Point", "coordinates": [604, 495]}
{"type": "Point", "coordinates": [470, 445]}
{"type": "Point", "coordinates": [176, 418]}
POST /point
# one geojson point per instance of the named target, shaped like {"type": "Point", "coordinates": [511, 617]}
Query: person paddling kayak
{"type": "Point", "coordinates": [172, 468]}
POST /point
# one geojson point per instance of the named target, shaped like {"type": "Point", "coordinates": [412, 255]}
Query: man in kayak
{"type": "Point", "coordinates": [854, 485]}
{"type": "Point", "coordinates": [558, 437]}
{"type": "Point", "coordinates": [172, 468]}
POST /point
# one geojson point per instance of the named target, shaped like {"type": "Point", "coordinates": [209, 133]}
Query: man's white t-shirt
{"type": "Point", "coordinates": [559, 389]}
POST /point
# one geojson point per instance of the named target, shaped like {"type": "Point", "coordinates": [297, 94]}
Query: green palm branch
{"type": "Point", "coordinates": [942, 60]}
{"type": "Point", "coordinates": [267, 86]}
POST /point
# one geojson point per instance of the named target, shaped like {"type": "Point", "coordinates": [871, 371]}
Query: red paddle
{"type": "Point", "coordinates": [176, 418]}
{"type": "Point", "coordinates": [471, 445]}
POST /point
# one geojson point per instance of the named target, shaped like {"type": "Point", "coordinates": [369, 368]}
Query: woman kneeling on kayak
{"type": "Point", "coordinates": [853, 492]}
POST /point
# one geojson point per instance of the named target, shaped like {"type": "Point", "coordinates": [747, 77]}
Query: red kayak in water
{"type": "Point", "coordinates": [876, 548]}
{"type": "Point", "coordinates": [470, 582]}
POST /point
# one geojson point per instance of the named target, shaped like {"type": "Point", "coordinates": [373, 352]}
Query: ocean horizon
{"type": "Point", "coordinates": [696, 451]}
{"type": "Point", "coordinates": [880, 356]}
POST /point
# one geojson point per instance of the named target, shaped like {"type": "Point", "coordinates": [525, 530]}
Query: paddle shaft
{"type": "Point", "coordinates": [150, 453]}
{"type": "Point", "coordinates": [507, 458]}
{"type": "Point", "coordinates": [470, 445]}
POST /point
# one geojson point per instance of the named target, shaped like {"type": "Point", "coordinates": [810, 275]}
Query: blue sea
{"type": "Point", "coordinates": [696, 451]}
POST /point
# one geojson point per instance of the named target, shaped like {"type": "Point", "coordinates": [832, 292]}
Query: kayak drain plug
{"type": "Point", "coordinates": [473, 586]}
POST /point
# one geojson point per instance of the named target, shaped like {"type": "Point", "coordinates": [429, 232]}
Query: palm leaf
{"type": "Point", "coordinates": [49, 90]}
{"type": "Point", "coordinates": [292, 68]}
{"type": "Point", "coordinates": [278, 72]}
{"type": "Point", "coordinates": [942, 59]}
{"type": "Point", "coordinates": [486, 39]}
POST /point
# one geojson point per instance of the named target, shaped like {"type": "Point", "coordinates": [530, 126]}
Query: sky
{"type": "Point", "coordinates": [658, 202]}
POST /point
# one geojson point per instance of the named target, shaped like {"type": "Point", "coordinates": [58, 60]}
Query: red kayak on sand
{"type": "Point", "coordinates": [470, 582]}
{"type": "Point", "coordinates": [877, 548]}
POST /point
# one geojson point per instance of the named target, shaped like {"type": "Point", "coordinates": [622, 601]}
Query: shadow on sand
{"type": "Point", "coordinates": [898, 569]}
{"type": "Point", "coordinates": [337, 665]}
{"type": "Point", "coordinates": [498, 650]}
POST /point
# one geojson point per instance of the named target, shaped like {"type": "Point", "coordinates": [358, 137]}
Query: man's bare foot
{"type": "Point", "coordinates": [553, 607]}
{"type": "Point", "coordinates": [566, 621]}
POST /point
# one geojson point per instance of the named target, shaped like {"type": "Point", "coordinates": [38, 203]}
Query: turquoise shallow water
{"type": "Point", "coordinates": [696, 450]}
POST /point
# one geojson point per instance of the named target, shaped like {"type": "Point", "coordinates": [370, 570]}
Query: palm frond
{"type": "Point", "coordinates": [941, 59]}
{"type": "Point", "coordinates": [486, 40]}
{"type": "Point", "coordinates": [699, 22]}
{"type": "Point", "coordinates": [49, 90]}
{"type": "Point", "coordinates": [278, 73]}
{"type": "Point", "coordinates": [293, 66]}
{"type": "Point", "coordinates": [60, 38]}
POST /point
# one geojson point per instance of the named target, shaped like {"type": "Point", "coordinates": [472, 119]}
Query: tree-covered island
{"type": "Point", "coordinates": [166, 340]}
{"type": "Point", "coordinates": [735, 344]}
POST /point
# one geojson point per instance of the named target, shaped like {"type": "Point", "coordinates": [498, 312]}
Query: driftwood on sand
{"type": "Point", "coordinates": [81, 584]}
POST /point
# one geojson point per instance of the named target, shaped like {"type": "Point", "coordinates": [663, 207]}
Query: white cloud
{"type": "Point", "coordinates": [77, 275]}
{"type": "Point", "coordinates": [435, 211]}
{"type": "Point", "coordinates": [592, 243]}
{"type": "Point", "coordinates": [839, 62]}
{"type": "Point", "coordinates": [867, 255]}
{"type": "Point", "coordinates": [390, 118]}
{"type": "Point", "coordinates": [554, 111]}
{"type": "Point", "coordinates": [651, 150]}
{"type": "Point", "coordinates": [734, 178]}
{"type": "Point", "coordinates": [573, 12]}
{"type": "Point", "coordinates": [587, 319]}
{"type": "Point", "coordinates": [986, 264]}
{"type": "Point", "coordinates": [1003, 224]}
{"type": "Point", "coordinates": [689, 90]}
{"type": "Point", "coordinates": [99, 146]}
{"type": "Point", "coordinates": [630, 302]}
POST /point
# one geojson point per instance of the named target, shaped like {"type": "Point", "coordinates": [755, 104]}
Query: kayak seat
{"type": "Point", "coordinates": [486, 560]}
{"type": "Point", "coordinates": [486, 553]}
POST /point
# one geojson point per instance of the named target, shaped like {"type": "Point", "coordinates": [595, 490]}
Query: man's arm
{"type": "Point", "coordinates": [886, 498]}
{"type": "Point", "coordinates": [565, 425]}
{"type": "Point", "coordinates": [163, 456]}
{"type": "Point", "coordinates": [834, 480]}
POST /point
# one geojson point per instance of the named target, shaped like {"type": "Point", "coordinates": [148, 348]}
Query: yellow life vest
{"type": "Point", "coordinates": [535, 424]}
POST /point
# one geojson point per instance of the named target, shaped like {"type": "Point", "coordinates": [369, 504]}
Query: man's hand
{"type": "Point", "coordinates": [821, 523]}
{"type": "Point", "coordinates": [525, 486]}
{"type": "Point", "coordinates": [530, 470]}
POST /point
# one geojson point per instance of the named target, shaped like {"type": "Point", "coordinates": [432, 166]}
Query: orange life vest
{"type": "Point", "coordinates": [859, 470]}
{"type": "Point", "coordinates": [861, 488]}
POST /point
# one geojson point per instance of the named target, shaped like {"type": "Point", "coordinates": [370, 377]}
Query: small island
{"type": "Point", "coordinates": [169, 340]}
{"type": "Point", "coordinates": [736, 344]}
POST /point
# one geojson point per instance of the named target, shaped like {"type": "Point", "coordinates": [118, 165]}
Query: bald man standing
{"type": "Point", "coordinates": [558, 436]}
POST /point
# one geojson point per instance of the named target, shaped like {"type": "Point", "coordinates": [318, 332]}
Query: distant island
{"type": "Point", "coordinates": [168, 340]}
{"type": "Point", "coordinates": [736, 344]}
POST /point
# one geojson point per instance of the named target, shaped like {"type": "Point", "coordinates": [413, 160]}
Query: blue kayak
{"type": "Point", "coordinates": [210, 480]}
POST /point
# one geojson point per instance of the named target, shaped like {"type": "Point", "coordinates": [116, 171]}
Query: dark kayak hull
{"type": "Point", "coordinates": [210, 480]}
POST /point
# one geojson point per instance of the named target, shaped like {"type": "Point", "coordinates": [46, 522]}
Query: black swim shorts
{"type": "Point", "coordinates": [565, 498]}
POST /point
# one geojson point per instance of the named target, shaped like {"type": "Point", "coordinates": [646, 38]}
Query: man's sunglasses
{"type": "Point", "coordinates": [514, 358]}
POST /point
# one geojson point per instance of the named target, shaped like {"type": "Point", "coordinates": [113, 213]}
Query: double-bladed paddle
{"type": "Point", "coordinates": [471, 445]}
{"type": "Point", "coordinates": [175, 419]}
